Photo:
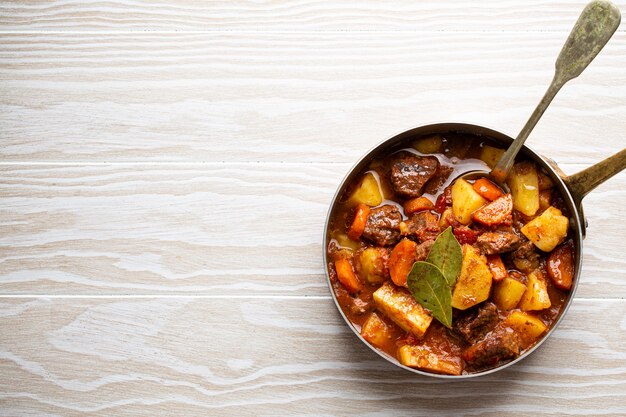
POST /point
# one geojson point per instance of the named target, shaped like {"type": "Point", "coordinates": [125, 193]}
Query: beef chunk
{"type": "Point", "coordinates": [410, 172]}
{"type": "Point", "coordinates": [502, 343]}
{"type": "Point", "coordinates": [423, 249]}
{"type": "Point", "coordinates": [424, 225]}
{"type": "Point", "coordinates": [440, 177]}
{"type": "Point", "coordinates": [524, 250]}
{"type": "Point", "coordinates": [475, 325]}
{"type": "Point", "coordinates": [499, 241]}
{"type": "Point", "coordinates": [517, 222]}
{"type": "Point", "coordinates": [383, 225]}
{"type": "Point", "coordinates": [525, 257]}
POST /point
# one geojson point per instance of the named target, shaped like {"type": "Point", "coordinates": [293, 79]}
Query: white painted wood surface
{"type": "Point", "coordinates": [276, 357]}
{"type": "Point", "coordinates": [165, 170]}
{"type": "Point", "coordinates": [278, 15]}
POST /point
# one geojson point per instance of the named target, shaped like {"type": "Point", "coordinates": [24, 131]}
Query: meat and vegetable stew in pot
{"type": "Point", "coordinates": [448, 276]}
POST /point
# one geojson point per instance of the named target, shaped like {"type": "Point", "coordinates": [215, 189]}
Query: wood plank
{"type": "Point", "coordinates": [208, 229]}
{"type": "Point", "coordinates": [260, 357]}
{"type": "Point", "coordinates": [291, 15]}
{"type": "Point", "coordinates": [296, 97]}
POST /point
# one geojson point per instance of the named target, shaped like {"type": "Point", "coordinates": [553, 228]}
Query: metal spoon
{"type": "Point", "coordinates": [595, 26]}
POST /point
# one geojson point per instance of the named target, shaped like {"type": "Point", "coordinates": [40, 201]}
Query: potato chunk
{"type": "Point", "coordinates": [376, 331]}
{"type": "Point", "coordinates": [528, 327]}
{"type": "Point", "coordinates": [547, 230]}
{"type": "Point", "coordinates": [524, 184]}
{"type": "Point", "coordinates": [536, 295]}
{"type": "Point", "coordinates": [423, 358]}
{"type": "Point", "coordinates": [344, 242]}
{"type": "Point", "coordinates": [367, 192]}
{"type": "Point", "coordinates": [400, 306]}
{"type": "Point", "coordinates": [371, 265]}
{"type": "Point", "coordinates": [491, 155]}
{"type": "Point", "coordinates": [430, 144]}
{"type": "Point", "coordinates": [465, 201]}
{"type": "Point", "coordinates": [474, 282]}
{"type": "Point", "coordinates": [508, 293]}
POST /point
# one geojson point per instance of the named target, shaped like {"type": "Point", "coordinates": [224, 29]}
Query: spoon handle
{"type": "Point", "coordinates": [593, 29]}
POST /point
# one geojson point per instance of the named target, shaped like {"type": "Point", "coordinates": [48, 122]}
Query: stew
{"type": "Point", "coordinates": [391, 249]}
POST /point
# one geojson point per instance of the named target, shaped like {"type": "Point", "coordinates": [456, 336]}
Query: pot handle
{"type": "Point", "coordinates": [581, 183]}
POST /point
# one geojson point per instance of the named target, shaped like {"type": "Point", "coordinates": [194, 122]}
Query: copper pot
{"type": "Point", "coordinates": [573, 189]}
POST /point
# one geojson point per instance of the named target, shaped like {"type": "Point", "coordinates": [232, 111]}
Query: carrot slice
{"type": "Point", "coordinates": [346, 275]}
{"type": "Point", "coordinates": [487, 189]}
{"type": "Point", "coordinates": [561, 266]}
{"type": "Point", "coordinates": [401, 261]}
{"type": "Point", "coordinates": [417, 204]}
{"type": "Point", "coordinates": [495, 212]}
{"type": "Point", "coordinates": [497, 268]}
{"type": "Point", "coordinates": [358, 224]}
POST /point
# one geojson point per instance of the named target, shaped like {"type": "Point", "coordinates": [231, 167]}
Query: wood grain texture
{"type": "Point", "coordinates": [282, 357]}
{"type": "Point", "coordinates": [296, 97]}
{"type": "Point", "coordinates": [165, 171]}
{"type": "Point", "coordinates": [208, 229]}
{"type": "Point", "coordinates": [491, 15]}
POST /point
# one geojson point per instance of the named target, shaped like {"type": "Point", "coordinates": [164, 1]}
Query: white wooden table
{"type": "Point", "coordinates": [165, 171]}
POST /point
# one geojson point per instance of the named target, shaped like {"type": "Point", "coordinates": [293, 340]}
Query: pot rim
{"type": "Point", "coordinates": [447, 127]}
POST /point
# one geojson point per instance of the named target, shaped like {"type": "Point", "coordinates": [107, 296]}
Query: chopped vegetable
{"type": "Point", "coordinates": [465, 235]}
{"type": "Point", "coordinates": [430, 144]}
{"type": "Point", "coordinates": [444, 200]}
{"type": "Point", "coordinates": [487, 189]}
{"type": "Point", "coordinates": [497, 268]}
{"type": "Point", "coordinates": [495, 212]}
{"type": "Point", "coordinates": [358, 224]}
{"type": "Point", "coordinates": [508, 293]}
{"type": "Point", "coordinates": [345, 242]}
{"type": "Point", "coordinates": [528, 327]}
{"type": "Point", "coordinates": [524, 185]}
{"type": "Point", "coordinates": [401, 260]}
{"type": "Point", "coordinates": [474, 283]}
{"type": "Point", "coordinates": [560, 266]}
{"type": "Point", "coordinates": [367, 191]}
{"type": "Point", "coordinates": [491, 155]}
{"type": "Point", "coordinates": [346, 275]}
{"type": "Point", "coordinates": [400, 306]}
{"type": "Point", "coordinates": [465, 200]}
{"type": "Point", "coordinates": [422, 357]}
{"type": "Point", "coordinates": [371, 265]}
{"type": "Point", "coordinates": [547, 230]}
{"type": "Point", "coordinates": [376, 331]}
{"type": "Point", "coordinates": [536, 295]}
{"type": "Point", "coordinates": [447, 219]}
{"type": "Point", "coordinates": [417, 204]}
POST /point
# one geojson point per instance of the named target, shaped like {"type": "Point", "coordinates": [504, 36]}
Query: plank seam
{"type": "Point", "coordinates": [183, 163]}
{"type": "Point", "coordinates": [216, 297]}
{"type": "Point", "coordinates": [272, 31]}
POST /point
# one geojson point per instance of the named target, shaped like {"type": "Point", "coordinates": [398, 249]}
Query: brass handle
{"type": "Point", "coordinates": [593, 29]}
{"type": "Point", "coordinates": [581, 183]}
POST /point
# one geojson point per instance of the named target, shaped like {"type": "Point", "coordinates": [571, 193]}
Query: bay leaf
{"type": "Point", "coordinates": [430, 288]}
{"type": "Point", "coordinates": [446, 254]}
